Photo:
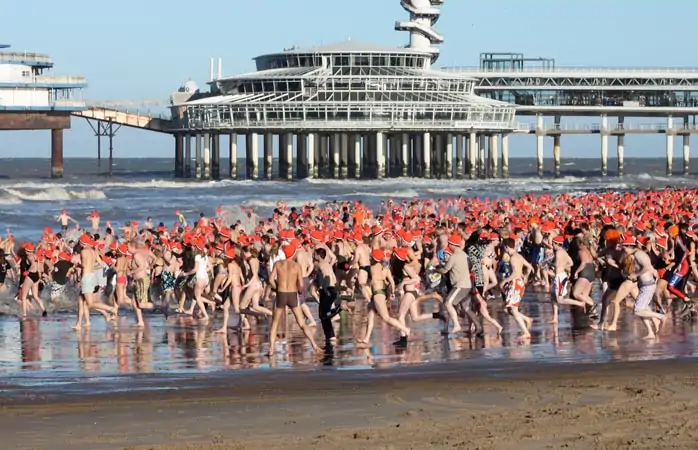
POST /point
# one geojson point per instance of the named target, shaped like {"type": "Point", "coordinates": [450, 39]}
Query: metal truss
{"type": "Point", "coordinates": [579, 81]}
{"type": "Point", "coordinates": [345, 98]}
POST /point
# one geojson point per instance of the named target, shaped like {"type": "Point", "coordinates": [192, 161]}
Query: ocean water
{"type": "Point", "coordinates": [37, 351]}
{"type": "Point", "coordinates": [138, 188]}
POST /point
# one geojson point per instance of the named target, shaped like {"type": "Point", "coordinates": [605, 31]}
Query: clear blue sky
{"type": "Point", "coordinates": [143, 50]}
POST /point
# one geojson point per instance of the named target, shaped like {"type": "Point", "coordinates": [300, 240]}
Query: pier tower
{"type": "Point", "coordinates": [33, 99]}
{"type": "Point", "coordinates": [347, 110]}
{"type": "Point", "coordinates": [423, 16]}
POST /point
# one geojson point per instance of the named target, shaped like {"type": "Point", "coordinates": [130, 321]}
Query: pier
{"type": "Point", "coordinates": [362, 110]}
{"type": "Point", "coordinates": [33, 100]}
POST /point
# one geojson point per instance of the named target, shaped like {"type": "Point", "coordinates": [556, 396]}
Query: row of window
{"type": "Point", "coordinates": [348, 60]}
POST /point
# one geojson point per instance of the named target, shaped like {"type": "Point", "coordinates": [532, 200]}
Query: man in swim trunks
{"type": "Point", "coordinates": [305, 261]}
{"type": "Point", "coordinates": [88, 284]}
{"type": "Point", "coordinates": [286, 279]}
{"type": "Point", "coordinates": [514, 286]}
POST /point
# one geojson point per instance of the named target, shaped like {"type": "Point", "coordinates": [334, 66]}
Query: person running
{"type": "Point", "coordinates": [514, 286]}
{"type": "Point", "coordinates": [286, 279]}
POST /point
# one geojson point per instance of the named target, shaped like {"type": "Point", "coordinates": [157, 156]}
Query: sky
{"type": "Point", "coordinates": [144, 50]}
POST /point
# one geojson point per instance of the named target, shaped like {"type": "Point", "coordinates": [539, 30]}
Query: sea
{"type": "Point", "coordinates": [43, 352]}
{"type": "Point", "coordinates": [138, 188]}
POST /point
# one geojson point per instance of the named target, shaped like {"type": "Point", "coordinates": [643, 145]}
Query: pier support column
{"type": "Point", "coordinates": [494, 149]}
{"type": "Point", "coordinates": [288, 157]}
{"type": "Point", "coordinates": [312, 153]}
{"type": "Point", "coordinates": [417, 155]}
{"type": "Point", "coordinates": [355, 155]}
{"type": "Point", "coordinates": [448, 166]}
{"type": "Point", "coordinates": [323, 155]}
{"type": "Point", "coordinates": [405, 143]}
{"type": "Point", "coordinates": [198, 169]}
{"type": "Point", "coordinates": [380, 154]}
{"type": "Point", "coordinates": [233, 156]}
{"type": "Point", "coordinates": [426, 155]}
{"type": "Point", "coordinates": [604, 145]}
{"type": "Point", "coordinates": [335, 144]}
{"type": "Point", "coordinates": [437, 155]}
{"type": "Point", "coordinates": [686, 154]}
{"type": "Point", "coordinates": [344, 156]}
{"type": "Point", "coordinates": [252, 157]}
{"type": "Point", "coordinates": [207, 156]}
{"type": "Point", "coordinates": [556, 155]}
{"type": "Point", "coordinates": [472, 156]}
{"type": "Point", "coordinates": [482, 163]}
{"type": "Point", "coordinates": [302, 169]}
{"type": "Point", "coordinates": [686, 147]}
{"type": "Point", "coordinates": [621, 154]}
{"type": "Point", "coordinates": [57, 153]}
{"type": "Point", "coordinates": [621, 146]}
{"type": "Point", "coordinates": [187, 156]}
{"type": "Point", "coordinates": [179, 155]}
{"type": "Point", "coordinates": [505, 156]}
{"type": "Point", "coordinates": [268, 156]}
{"type": "Point", "coordinates": [540, 135]}
{"type": "Point", "coordinates": [669, 146]}
{"type": "Point", "coordinates": [460, 155]}
{"type": "Point", "coordinates": [216, 156]}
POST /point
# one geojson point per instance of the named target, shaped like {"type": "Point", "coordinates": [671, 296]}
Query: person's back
{"type": "Point", "coordinates": [459, 270]}
{"type": "Point", "coordinates": [288, 274]}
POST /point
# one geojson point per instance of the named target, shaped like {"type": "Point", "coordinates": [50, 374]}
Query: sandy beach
{"type": "Point", "coordinates": [626, 405]}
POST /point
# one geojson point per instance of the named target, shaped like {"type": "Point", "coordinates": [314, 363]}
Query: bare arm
{"type": "Point", "coordinates": [299, 281]}
{"type": "Point", "coordinates": [272, 276]}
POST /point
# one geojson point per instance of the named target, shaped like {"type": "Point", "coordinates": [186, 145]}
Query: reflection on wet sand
{"type": "Point", "coordinates": [46, 350]}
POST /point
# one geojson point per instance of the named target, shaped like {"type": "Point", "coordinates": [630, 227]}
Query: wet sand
{"type": "Point", "coordinates": [508, 405]}
{"type": "Point", "coordinates": [176, 385]}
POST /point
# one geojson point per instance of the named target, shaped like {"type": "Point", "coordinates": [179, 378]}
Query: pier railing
{"type": "Point", "coordinates": [596, 127]}
{"type": "Point", "coordinates": [568, 69]}
{"type": "Point", "coordinates": [25, 56]}
{"type": "Point", "coordinates": [66, 80]}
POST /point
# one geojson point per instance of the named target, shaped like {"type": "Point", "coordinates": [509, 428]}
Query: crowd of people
{"type": "Point", "coordinates": [449, 260]}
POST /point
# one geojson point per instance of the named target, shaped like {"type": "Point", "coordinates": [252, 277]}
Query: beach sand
{"type": "Point", "coordinates": [624, 405]}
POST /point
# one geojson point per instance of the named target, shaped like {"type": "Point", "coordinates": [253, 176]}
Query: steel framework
{"type": "Point", "coordinates": [584, 79]}
{"type": "Point", "coordinates": [353, 90]}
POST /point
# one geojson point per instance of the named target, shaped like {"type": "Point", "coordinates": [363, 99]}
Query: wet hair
{"type": "Point", "coordinates": [321, 252]}
{"type": "Point", "coordinates": [509, 243]}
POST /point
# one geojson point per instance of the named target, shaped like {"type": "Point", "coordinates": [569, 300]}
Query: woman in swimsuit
{"type": "Point", "coordinates": [254, 287]}
{"type": "Point", "coordinates": [410, 299]}
{"type": "Point", "coordinates": [30, 267]}
{"type": "Point", "coordinates": [233, 282]}
{"type": "Point", "coordinates": [122, 268]}
{"type": "Point", "coordinates": [585, 275]}
{"type": "Point", "coordinates": [380, 274]}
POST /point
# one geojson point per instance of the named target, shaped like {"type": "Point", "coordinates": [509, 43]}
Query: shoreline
{"type": "Point", "coordinates": [449, 405]}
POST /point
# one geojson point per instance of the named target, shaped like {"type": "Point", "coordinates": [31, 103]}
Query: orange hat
{"type": "Point", "coordinates": [290, 251]}
{"type": "Point", "coordinates": [456, 240]}
{"type": "Point", "coordinates": [400, 253]}
{"type": "Point", "coordinates": [87, 240]}
{"type": "Point", "coordinates": [629, 240]}
{"type": "Point", "coordinates": [407, 237]}
{"type": "Point", "coordinates": [559, 239]}
{"type": "Point", "coordinates": [663, 243]}
{"type": "Point", "coordinates": [230, 253]}
{"type": "Point", "coordinates": [378, 254]}
{"type": "Point", "coordinates": [64, 256]}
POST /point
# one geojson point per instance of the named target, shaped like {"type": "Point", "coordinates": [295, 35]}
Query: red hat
{"type": "Point", "coordinates": [290, 251]}
{"type": "Point", "coordinates": [87, 240]}
{"type": "Point", "coordinates": [400, 253]}
{"type": "Point", "coordinates": [629, 240]}
{"type": "Point", "coordinates": [662, 242]}
{"type": "Point", "coordinates": [559, 239]}
{"type": "Point", "coordinates": [378, 254]}
{"type": "Point", "coordinates": [456, 240]}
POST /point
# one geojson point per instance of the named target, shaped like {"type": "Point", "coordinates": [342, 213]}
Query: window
{"type": "Point", "coordinates": [25, 73]}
